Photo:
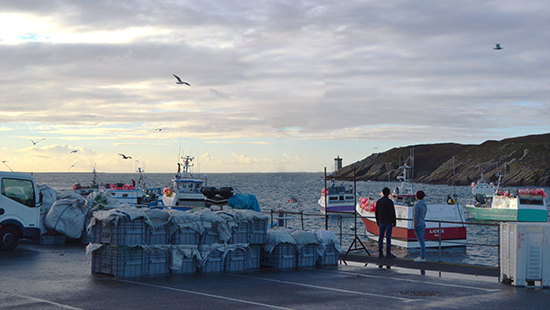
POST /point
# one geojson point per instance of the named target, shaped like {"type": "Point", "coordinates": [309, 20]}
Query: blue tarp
{"type": "Point", "coordinates": [244, 201]}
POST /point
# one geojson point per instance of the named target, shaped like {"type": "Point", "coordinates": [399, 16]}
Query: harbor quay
{"type": "Point", "coordinates": [59, 277]}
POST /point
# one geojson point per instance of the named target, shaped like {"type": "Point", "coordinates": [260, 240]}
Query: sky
{"type": "Point", "coordinates": [276, 86]}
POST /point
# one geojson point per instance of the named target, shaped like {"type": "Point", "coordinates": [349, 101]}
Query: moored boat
{"type": "Point", "coordinates": [444, 221]}
{"type": "Point", "coordinates": [337, 198]}
{"type": "Point", "coordinates": [513, 205]}
{"type": "Point", "coordinates": [188, 189]}
{"type": "Point", "coordinates": [130, 194]}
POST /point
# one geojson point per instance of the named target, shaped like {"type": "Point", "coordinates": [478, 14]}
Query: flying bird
{"type": "Point", "coordinates": [72, 166]}
{"type": "Point", "coordinates": [497, 47]}
{"type": "Point", "coordinates": [74, 151]}
{"type": "Point", "coordinates": [158, 129]}
{"type": "Point", "coordinates": [35, 142]}
{"type": "Point", "coordinates": [180, 81]}
{"type": "Point", "coordinates": [124, 156]}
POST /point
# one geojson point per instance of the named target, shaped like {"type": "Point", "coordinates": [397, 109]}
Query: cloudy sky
{"type": "Point", "coordinates": [276, 86]}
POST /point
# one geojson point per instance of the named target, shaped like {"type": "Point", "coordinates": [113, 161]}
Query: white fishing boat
{"type": "Point", "coordinates": [131, 194]}
{"type": "Point", "coordinates": [444, 221]}
{"type": "Point", "coordinates": [510, 205]}
{"type": "Point", "coordinates": [188, 189]}
{"type": "Point", "coordinates": [337, 198]}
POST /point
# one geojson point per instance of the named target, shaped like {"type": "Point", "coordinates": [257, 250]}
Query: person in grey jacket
{"type": "Point", "coordinates": [419, 214]}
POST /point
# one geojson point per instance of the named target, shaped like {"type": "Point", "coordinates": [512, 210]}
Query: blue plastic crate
{"type": "Point", "coordinates": [283, 256]}
{"type": "Point", "coordinates": [240, 233]}
{"type": "Point", "coordinates": [258, 232]}
{"type": "Point", "coordinates": [210, 236]}
{"type": "Point", "coordinates": [254, 261]}
{"type": "Point", "coordinates": [189, 266]}
{"type": "Point", "coordinates": [156, 235]}
{"type": "Point", "coordinates": [119, 261]}
{"type": "Point", "coordinates": [307, 257]}
{"type": "Point", "coordinates": [212, 260]}
{"type": "Point", "coordinates": [235, 261]}
{"type": "Point", "coordinates": [330, 258]}
{"type": "Point", "coordinates": [156, 262]}
{"type": "Point", "coordinates": [185, 236]}
{"type": "Point", "coordinates": [125, 233]}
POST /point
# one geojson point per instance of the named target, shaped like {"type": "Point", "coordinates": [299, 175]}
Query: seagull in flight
{"type": "Point", "coordinates": [124, 156]}
{"type": "Point", "coordinates": [74, 151]}
{"type": "Point", "coordinates": [497, 47]}
{"type": "Point", "coordinates": [72, 166]}
{"type": "Point", "coordinates": [180, 81]}
{"type": "Point", "coordinates": [35, 142]}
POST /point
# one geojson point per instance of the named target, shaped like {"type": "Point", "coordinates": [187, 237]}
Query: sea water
{"type": "Point", "coordinates": [299, 192]}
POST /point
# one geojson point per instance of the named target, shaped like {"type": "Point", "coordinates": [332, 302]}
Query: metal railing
{"type": "Point", "coordinates": [283, 217]}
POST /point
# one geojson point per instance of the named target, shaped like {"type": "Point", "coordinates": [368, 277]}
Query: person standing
{"type": "Point", "coordinates": [419, 214]}
{"type": "Point", "coordinates": [386, 220]}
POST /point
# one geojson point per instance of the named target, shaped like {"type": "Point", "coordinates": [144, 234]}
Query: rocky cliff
{"type": "Point", "coordinates": [524, 161]}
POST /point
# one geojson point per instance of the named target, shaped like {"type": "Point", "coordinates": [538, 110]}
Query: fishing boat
{"type": "Point", "coordinates": [130, 194]}
{"type": "Point", "coordinates": [444, 221]}
{"type": "Point", "coordinates": [513, 205]}
{"type": "Point", "coordinates": [188, 189]}
{"type": "Point", "coordinates": [337, 198]}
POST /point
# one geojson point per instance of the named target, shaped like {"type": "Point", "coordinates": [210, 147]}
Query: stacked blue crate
{"type": "Point", "coordinates": [185, 236]}
{"type": "Point", "coordinates": [120, 261]}
{"type": "Point", "coordinates": [258, 231]}
{"type": "Point", "coordinates": [240, 233]}
{"type": "Point", "coordinates": [253, 262]}
{"type": "Point", "coordinates": [184, 259]}
{"type": "Point", "coordinates": [212, 258]}
{"type": "Point", "coordinates": [156, 261]}
{"type": "Point", "coordinates": [283, 256]}
{"type": "Point", "coordinates": [329, 248]}
{"type": "Point", "coordinates": [307, 256]}
{"type": "Point", "coordinates": [330, 256]}
{"type": "Point", "coordinates": [125, 233]}
{"type": "Point", "coordinates": [156, 234]}
{"type": "Point", "coordinates": [235, 259]}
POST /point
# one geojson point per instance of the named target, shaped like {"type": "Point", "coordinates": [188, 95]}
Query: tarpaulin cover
{"type": "Point", "coordinates": [247, 215]}
{"type": "Point", "coordinates": [102, 200]}
{"type": "Point", "coordinates": [244, 201]}
{"type": "Point", "coordinates": [179, 252]}
{"type": "Point", "coordinates": [224, 248]}
{"type": "Point", "coordinates": [157, 217]}
{"type": "Point", "coordinates": [303, 238]}
{"type": "Point", "coordinates": [111, 217]}
{"type": "Point", "coordinates": [67, 215]}
{"type": "Point", "coordinates": [211, 220]}
{"type": "Point", "coordinates": [326, 237]}
{"type": "Point", "coordinates": [276, 236]}
{"type": "Point", "coordinates": [181, 220]}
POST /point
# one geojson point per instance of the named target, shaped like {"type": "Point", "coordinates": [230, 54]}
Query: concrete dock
{"type": "Point", "coordinates": [59, 277]}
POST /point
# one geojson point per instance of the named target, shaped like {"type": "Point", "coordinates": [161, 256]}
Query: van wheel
{"type": "Point", "coordinates": [9, 238]}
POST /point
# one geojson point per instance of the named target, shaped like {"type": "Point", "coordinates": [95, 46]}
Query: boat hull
{"type": "Point", "coordinates": [507, 215]}
{"type": "Point", "coordinates": [348, 207]}
{"type": "Point", "coordinates": [445, 234]}
{"type": "Point", "coordinates": [406, 237]}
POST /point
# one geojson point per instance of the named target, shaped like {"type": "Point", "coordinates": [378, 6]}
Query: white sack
{"type": "Point", "coordinates": [67, 215]}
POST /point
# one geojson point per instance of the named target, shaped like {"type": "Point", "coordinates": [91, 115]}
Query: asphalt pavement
{"type": "Point", "coordinates": [59, 277]}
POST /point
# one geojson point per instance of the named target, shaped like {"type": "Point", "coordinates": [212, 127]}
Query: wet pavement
{"type": "Point", "coordinates": [59, 277]}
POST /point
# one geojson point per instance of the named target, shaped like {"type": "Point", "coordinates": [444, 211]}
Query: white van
{"type": "Point", "coordinates": [19, 209]}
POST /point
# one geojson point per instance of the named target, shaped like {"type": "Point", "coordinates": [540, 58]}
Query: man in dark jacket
{"type": "Point", "coordinates": [386, 220]}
